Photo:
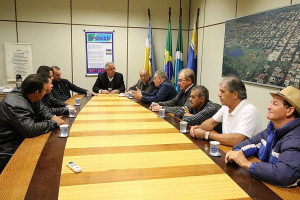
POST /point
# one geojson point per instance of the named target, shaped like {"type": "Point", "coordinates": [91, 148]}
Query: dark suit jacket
{"type": "Point", "coordinates": [61, 89]}
{"type": "Point", "coordinates": [102, 82]}
{"type": "Point", "coordinates": [54, 105]}
{"type": "Point", "coordinates": [149, 87]}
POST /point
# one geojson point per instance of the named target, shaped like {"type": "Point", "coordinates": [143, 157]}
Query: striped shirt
{"type": "Point", "coordinates": [208, 110]}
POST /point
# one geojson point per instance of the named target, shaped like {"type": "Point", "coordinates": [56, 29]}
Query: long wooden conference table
{"type": "Point", "coordinates": [126, 152]}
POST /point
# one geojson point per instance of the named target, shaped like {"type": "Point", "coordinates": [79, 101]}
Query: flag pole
{"type": "Point", "coordinates": [149, 50]}
{"type": "Point", "coordinates": [168, 65]}
{"type": "Point", "coordinates": [193, 49]}
{"type": "Point", "coordinates": [197, 19]}
{"type": "Point", "coordinates": [178, 64]}
{"type": "Point", "coordinates": [180, 13]}
{"type": "Point", "coordinates": [149, 13]}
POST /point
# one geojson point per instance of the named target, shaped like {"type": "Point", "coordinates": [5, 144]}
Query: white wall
{"type": "Point", "coordinates": [56, 30]}
{"type": "Point", "coordinates": [9, 35]}
{"type": "Point", "coordinates": [138, 24]}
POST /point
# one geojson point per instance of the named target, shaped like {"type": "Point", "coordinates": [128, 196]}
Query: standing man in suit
{"type": "Point", "coordinates": [109, 82]}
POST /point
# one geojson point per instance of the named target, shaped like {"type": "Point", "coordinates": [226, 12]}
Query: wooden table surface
{"type": "Point", "coordinates": [126, 152]}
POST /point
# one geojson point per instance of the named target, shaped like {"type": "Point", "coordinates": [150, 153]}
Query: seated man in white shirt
{"type": "Point", "coordinates": [240, 119]}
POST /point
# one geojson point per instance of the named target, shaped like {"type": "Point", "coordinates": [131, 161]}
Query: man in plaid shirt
{"type": "Point", "coordinates": [200, 108]}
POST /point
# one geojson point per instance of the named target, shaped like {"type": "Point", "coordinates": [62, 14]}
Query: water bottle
{"type": "Point", "coordinates": [18, 80]}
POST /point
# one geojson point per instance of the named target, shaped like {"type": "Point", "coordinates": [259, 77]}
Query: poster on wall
{"type": "Point", "coordinates": [18, 60]}
{"type": "Point", "coordinates": [264, 48]}
{"type": "Point", "coordinates": [99, 50]}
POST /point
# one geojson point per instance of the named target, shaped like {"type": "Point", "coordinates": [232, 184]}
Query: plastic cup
{"type": "Point", "coordinates": [64, 130]}
{"type": "Point", "coordinates": [88, 94]}
{"type": "Point", "coordinates": [109, 90]}
{"type": "Point", "coordinates": [77, 101]}
{"type": "Point", "coordinates": [18, 84]}
{"type": "Point", "coordinates": [154, 104]}
{"type": "Point", "coordinates": [162, 112]}
{"type": "Point", "coordinates": [71, 112]}
{"type": "Point", "coordinates": [214, 148]}
{"type": "Point", "coordinates": [183, 126]}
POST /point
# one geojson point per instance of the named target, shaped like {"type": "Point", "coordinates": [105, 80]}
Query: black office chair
{"type": "Point", "coordinates": [4, 158]}
{"type": "Point", "coordinates": [6, 154]}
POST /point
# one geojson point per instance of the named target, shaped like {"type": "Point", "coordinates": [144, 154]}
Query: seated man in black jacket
{"type": "Point", "coordinates": [48, 99]}
{"type": "Point", "coordinates": [61, 87]}
{"type": "Point", "coordinates": [43, 69]}
{"type": "Point", "coordinates": [52, 106]}
{"type": "Point", "coordinates": [22, 117]}
{"type": "Point", "coordinates": [110, 81]}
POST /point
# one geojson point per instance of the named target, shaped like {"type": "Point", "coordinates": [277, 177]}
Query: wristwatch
{"type": "Point", "coordinates": [207, 135]}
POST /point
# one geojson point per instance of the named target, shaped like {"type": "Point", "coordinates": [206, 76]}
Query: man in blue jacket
{"type": "Point", "coordinates": [165, 90]}
{"type": "Point", "coordinates": [277, 147]}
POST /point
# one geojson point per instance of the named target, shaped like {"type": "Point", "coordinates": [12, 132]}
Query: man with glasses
{"type": "Point", "coordinates": [186, 79]}
{"type": "Point", "coordinates": [164, 91]}
{"type": "Point", "coordinates": [109, 82]}
{"type": "Point", "coordinates": [145, 84]}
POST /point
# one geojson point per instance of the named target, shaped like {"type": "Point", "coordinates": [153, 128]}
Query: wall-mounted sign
{"type": "Point", "coordinates": [99, 50]}
{"type": "Point", "coordinates": [18, 60]}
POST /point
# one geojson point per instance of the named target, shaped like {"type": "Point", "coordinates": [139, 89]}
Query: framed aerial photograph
{"type": "Point", "coordinates": [264, 48]}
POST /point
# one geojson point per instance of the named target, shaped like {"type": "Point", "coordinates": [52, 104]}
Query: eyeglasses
{"type": "Point", "coordinates": [179, 80]}
{"type": "Point", "coordinates": [112, 69]}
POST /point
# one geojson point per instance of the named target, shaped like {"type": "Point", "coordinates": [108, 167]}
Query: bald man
{"type": "Point", "coordinates": [145, 83]}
